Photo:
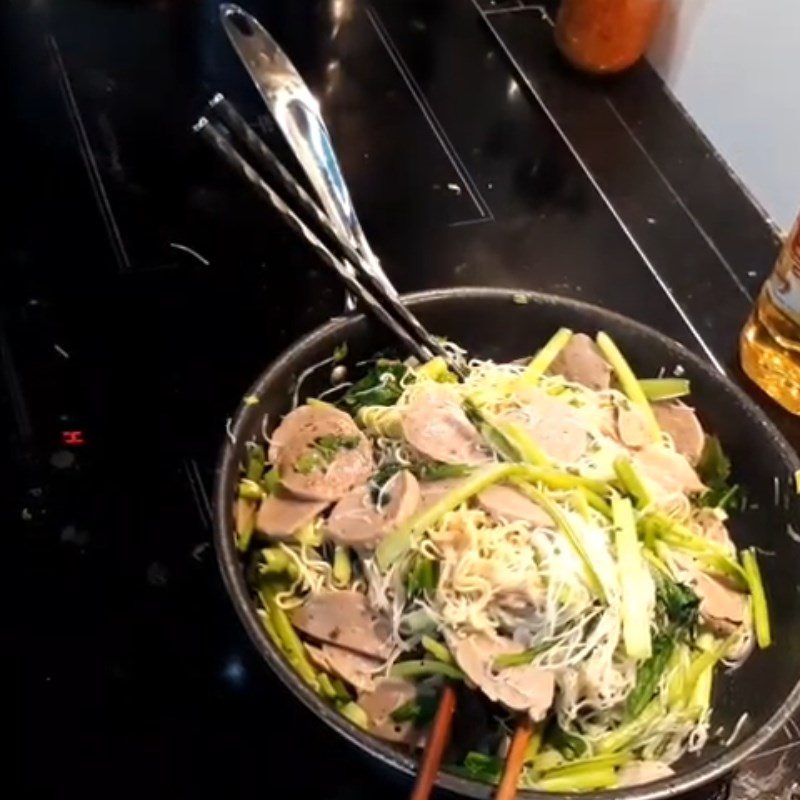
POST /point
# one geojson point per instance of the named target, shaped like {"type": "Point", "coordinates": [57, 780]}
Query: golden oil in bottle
{"type": "Point", "coordinates": [769, 347]}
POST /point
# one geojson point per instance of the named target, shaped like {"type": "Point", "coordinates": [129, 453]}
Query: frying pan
{"type": "Point", "coordinates": [497, 324]}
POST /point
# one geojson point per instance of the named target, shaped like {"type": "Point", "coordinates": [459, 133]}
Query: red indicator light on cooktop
{"type": "Point", "coordinates": [72, 438]}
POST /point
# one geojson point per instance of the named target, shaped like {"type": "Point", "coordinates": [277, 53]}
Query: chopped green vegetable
{"type": "Point", "coordinates": [326, 687]}
{"type": "Point", "coordinates": [437, 650]}
{"type": "Point", "coordinates": [498, 443]}
{"type": "Point", "coordinates": [355, 714]}
{"type": "Point", "coordinates": [308, 463]}
{"type": "Point", "coordinates": [396, 543]}
{"type": "Point", "coordinates": [570, 745]}
{"type": "Point", "coordinates": [633, 579]}
{"type": "Point", "coordinates": [577, 779]}
{"type": "Point", "coordinates": [324, 451]}
{"type": "Point", "coordinates": [310, 535]}
{"type": "Point", "coordinates": [539, 364]}
{"type": "Point", "coordinates": [579, 502]}
{"type": "Point", "coordinates": [381, 386]}
{"type": "Point", "coordinates": [679, 603]}
{"type": "Point", "coordinates": [628, 382]}
{"type": "Point", "coordinates": [255, 463]}
{"type": "Point", "coordinates": [554, 478]}
{"type": "Point", "coordinates": [517, 436]}
{"type": "Point", "coordinates": [422, 577]}
{"type": "Point", "coordinates": [286, 637]}
{"type": "Point", "coordinates": [249, 490]}
{"type": "Point", "coordinates": [245, 523]}
{"type": "Point", "coordinates": [342, 568]}
{"type": "Point", "coordinates": [656, 389]}
{"type": "Point", "coordinates": [420, 711]}
{"type": "Point", "coordinates": [648, 676]}
{"type": "Point", "coordinates": [328, 446]}
{"type": "Point", "coordinates": [434, 471]}
{"type": "Point", "coordinates": [623, 735]}
{"type": "Point", "coordinates": [572, 536]}
{"type": "Point", "coordinates": [251, 400]}
{"type": "Point", "coordinates": [534, 744]}
{"type": "Point", "coordinates": [480, 767]}
{"type": "Point", "coordinates": [714, 469]}
{"type": "Point", "coordinates": [340, 353]}
{"type": "Point", "coordinates": [342, 693]}
{"type": "Point", "coordinates": [436, 370]}
{"type": "Point", "coordinates": [632, 482]}
{"type": "Point", "coordinates": [713, 556]}
{"type": "Point", "coordinates": [520, 299]}
{"type": "Point", "coordinates": [517, 659]}
{"type": "Point", "coordinates": [684, 683]}
{"type": "Point", "coordinates": [276, 562]}
{"type": "Point", "coordinates": [271, 482]}
{"type": "Point", "coordinates": [759, 598]}
{"type": "Point", "coordinates": [421, 668]}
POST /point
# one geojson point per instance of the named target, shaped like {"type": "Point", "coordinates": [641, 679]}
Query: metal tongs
{"type": "Point", "coordinates": [328, 221]}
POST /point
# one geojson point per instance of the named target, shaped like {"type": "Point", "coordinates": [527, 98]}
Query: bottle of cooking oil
{"type": "Point", "coordinates": [770, 343]}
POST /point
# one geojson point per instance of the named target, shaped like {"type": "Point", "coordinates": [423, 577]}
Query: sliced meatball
{"type": "Point", "coordinates": [667, 471]}
{"type": "Point", "coordinates": [681, 423]}
{"type": "Point", "coordinates": [636, 773]}
{"type": "Point", "coordinates": [507, 504]}
{"type": "Point", "coordinates": [282, 515]}
{"type": "Point", "coordinates": [553, 424]}
{"type": "Point", "coordinates": [524, 688]}
{"type": "Point", "coordinates": [631, 428]}
{"type": "Point", "coordinates": [301, 420]}
{"type": "Point", "coordinates": [388, 696]}
{"type": "Point", "coordinates": [357, 670]}
{"type": "Point", "coordinates": [324, 463]}
{"type": "Point", "coordinates": [356, 520]}
{"type": "Point", "coordinates": [433, 491]}
{"type": "Point", "coordinates": [435, 425]}
{"type": "Point", "coordinates": [346, 620]}
{"type": "Point", "coordinates": [722, 608]}
{"type": "Point", "coordinates": [581, 361]}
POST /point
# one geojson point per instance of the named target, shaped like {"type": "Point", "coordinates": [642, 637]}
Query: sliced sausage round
{"type": "Point", "coordinates": [667, 470]}
{"type": "Point", "coordinates": [681, 423]}
{"type": "Point", "coordinates": [631, 428]}
{"type": "Point", "coordinates": [552, 424]}
{"type": "Point", "coordinates": [326, 459]}
{"type": "Point", "coordinates": [357, 670]}
{"type": "Point", "coordinates": [581, 361]}
{"type": "Point", "coordinates": [723, 609]}
{"type": "Point", "coordinates": [344, 619]}
{"type": "Point", "coordinates": [388, 696]}
{"type": "Point", "coordinates": [356, 520]}
{"type": "Point", "coordinates": [319, 417]}
{"type": "Point", "coordinates": [435, 425]}
{"type": "Point", "coordinates": [523, 688]}
{"type": "Point", "coordinates": [506, 504]}
{"type": "Point", "coordinates": [282, 515]}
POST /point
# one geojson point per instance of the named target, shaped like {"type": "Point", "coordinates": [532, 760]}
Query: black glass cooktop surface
{"type": "Point", "coordinates": [143, 290]}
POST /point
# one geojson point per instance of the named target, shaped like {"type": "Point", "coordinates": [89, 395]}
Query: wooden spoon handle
{"type": "Point", "coordinates": [435, 746]}
{"type": "Point", "coordinates": [507, 790]}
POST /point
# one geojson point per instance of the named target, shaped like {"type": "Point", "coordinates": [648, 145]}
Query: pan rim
{"type": "Point", "coordinates": [227, 557]}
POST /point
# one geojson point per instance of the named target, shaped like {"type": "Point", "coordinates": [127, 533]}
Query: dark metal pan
{"type": "Point", "coordinates": [495, 324]}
